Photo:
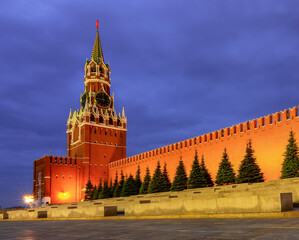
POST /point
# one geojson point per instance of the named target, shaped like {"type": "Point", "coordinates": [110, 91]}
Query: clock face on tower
{"type": "Point", "coordinates": [103, 100]}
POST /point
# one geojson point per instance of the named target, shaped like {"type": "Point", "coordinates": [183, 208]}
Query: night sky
{"type": "Point", "coordinates": [181, 68]}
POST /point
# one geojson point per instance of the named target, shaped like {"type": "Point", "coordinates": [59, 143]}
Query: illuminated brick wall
{"type": "Point", "coordinates": [269, 137]}
{"type": "Point", "coordinates": [60, 179]}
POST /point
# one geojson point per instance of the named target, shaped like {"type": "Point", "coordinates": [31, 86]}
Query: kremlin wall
{"type": "Point", "coordinates": [269, 137]}
{"type": "Point", "coordinates": [96, 143]}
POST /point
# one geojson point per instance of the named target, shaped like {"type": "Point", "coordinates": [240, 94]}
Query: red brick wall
{"type": "Point", "coordinates": [268, 139]}
{"type": "Point", "coordinates": [58, 177]}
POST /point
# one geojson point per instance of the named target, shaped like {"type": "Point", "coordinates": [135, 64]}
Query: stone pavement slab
{"type": "Point", "coordinates": [162, 229]}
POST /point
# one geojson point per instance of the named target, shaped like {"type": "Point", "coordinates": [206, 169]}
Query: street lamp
{"type": "Point", "coordinates": [28, 199]}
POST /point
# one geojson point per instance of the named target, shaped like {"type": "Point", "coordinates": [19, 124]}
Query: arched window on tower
{"type": "Point", "coordinates": [118, 122]}
{"type": "Point", "coordinates": [110, 121]}
{"type": "Point", "coordinates": [93, 68]}
{"type": "Point", "coordinates": [101, 119]}
{"type": "Point", "coordinates": [102, 70]}
{"type": "Point", "coordinates": [92, 119]}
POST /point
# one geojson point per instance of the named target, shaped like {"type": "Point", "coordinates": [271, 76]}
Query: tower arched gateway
{"type": "Point", "coordinates": [96, 135]}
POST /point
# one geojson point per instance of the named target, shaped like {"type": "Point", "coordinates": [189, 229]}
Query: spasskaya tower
{"type": "Point", "coordinates": [96, 136]}
{"type": "Point", "coordinates": [95, 132]}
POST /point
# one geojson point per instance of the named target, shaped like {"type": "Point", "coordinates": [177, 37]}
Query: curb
{"type": "Point", "coordinates": [221, 216]}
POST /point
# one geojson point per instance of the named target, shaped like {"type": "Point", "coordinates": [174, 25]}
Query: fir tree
{"type": "Point", "coordinates": [129, 187]}
{"type": "Point", "coordinates": [165, 176]}
{"type": "Point", "coordinates": [157, 182]}
{"type": "Point", "coordinates": [115, 185]}
{"type": "Point", "coordinates": [249, 171]}
{"type": "Point", "coordinates": [122, 179]}
{"type": "Point", "coordinates": [105, 193]}
{"type": "Point", "coordinates": [88, 191]}
{"type": "Point", "coordinates": [225, 174]}
{"type": "Point", "coordinates": [111, 188]}
{"type": "Point", "coordinates": [99, 190]}
{"type": "Point", "coordinates": [94, 192]}
{"type": "Point", "coordinates": [145, 183]}
{"type": "Point", "coordinates": [138, 180]}
{"type": "Point", "coordinates": [290, 166]}
{"type": "Point", "coordinates": [117, 190]}
{"type": "Point", "coordinates": [180, 179]}
{"type": "Point", "coordinates": [206, 173]}
{"type": "Point", "coordinates": [196, 178]}
{"type": "Point", "coordinates": [116, 179]}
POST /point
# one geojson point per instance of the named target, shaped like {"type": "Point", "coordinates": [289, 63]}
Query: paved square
{"type": "Point", "coordinates": [279, 228]}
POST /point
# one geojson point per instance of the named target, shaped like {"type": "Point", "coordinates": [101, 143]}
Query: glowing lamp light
{"type": "Point", "coordinates": [64, 195]}
{"type": "Point", "coordinates": [28, 199]}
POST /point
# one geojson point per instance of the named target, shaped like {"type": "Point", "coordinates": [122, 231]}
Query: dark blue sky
{"type": "Point", "coordinates": [181, 68]}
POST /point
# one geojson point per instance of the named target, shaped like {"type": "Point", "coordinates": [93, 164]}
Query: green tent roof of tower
{"type": "Point", "coordinates": [97, 52]}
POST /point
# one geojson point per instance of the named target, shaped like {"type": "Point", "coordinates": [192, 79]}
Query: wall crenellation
{"type": "Point", "coordinates": [259, 124]}
{"type": "Point", "coordinates": [61, 160]}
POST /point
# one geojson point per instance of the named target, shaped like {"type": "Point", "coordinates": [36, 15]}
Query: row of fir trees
{"type": "Point", "coordinates": [249, 172]}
